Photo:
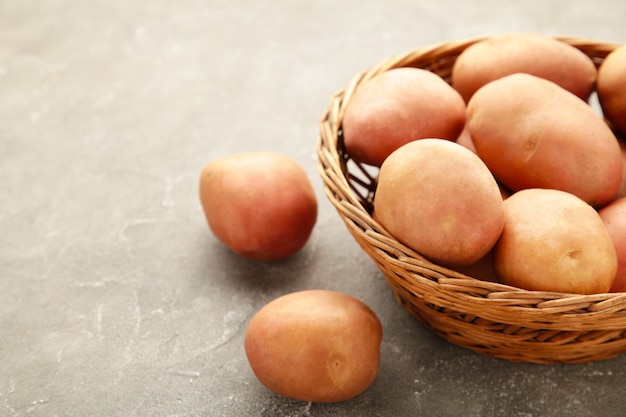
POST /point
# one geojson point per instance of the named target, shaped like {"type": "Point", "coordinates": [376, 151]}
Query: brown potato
{"type": "Point", "coordinates": [315, 345]}
{"type": "Point", "coordinates": [399, 106]}
{"type": "Point", "coordinates": [540, 55]}
{"type": "Point", "coordinates": [261, 205]}
{"type": "Point", "coordinates": [612, 88]}
{"type": "Point", "coordinates": [532, 133]}
{"type": "Point", "coordinates": [439, 198]}
{"type": "Point", "coordinates": [554, 241]}
{"type": "Point", "coordinates": [614, 217]}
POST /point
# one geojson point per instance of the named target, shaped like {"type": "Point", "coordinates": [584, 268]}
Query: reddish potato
{"type": "Point", "coordinates": [554, 241]}
{"type": "Point", "coordinates": [614, 217]}
{"type": "Point", "coordinates": [261, 205]}
{"type": "Point", "coordinates": [532, 133]}
{"type": "Point", "coordinates": [531, 53]}
{"type": "Point", "coordinates": [399, 106]}
{"type": "Point", "coordinates": [315, 345]}
{"type": "Point", "coordinates": [439, 198]}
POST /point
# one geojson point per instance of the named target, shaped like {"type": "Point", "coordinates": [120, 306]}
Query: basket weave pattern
{"type": "Point", "coordinates": [489, 318]}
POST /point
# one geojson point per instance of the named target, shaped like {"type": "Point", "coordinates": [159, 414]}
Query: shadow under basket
{"type": "Point", "coordinates": [489, 318]}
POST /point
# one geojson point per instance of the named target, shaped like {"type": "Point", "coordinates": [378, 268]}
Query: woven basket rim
{"type": "Point", "coordinates": [535, 309]}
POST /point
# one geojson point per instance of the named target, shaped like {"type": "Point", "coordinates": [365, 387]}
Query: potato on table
{"type": "Point", "coordinates": [261, 205]}
{"type": "Point", "coordinates": [315, 345]}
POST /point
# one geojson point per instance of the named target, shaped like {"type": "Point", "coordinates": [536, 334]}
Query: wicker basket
{"type": "Point", "coordinates": [489, 318]}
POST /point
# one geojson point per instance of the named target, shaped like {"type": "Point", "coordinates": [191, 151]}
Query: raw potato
{"type": "Point", "coordinates": [554, 241]}
{"type": "Point", "coordinates": [614, 216]}
{"type": "Point", "coordinates": [261, 205]}
{"type": "Point", "coordinates": [612, 88]}
{"type": "Point", "coordinates": [438, 198]}
{"type": "Point", "coordinates": [536, 54]}
{"type": "Point", "coordinates": [532, 133]}
{"type": "Point", "coordinates": [315, 345]}
{"type": "Point", "coordinates": [399, 106]}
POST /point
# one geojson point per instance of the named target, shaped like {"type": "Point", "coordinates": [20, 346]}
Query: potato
{"type": "Point", "coordinates": [315, 345]}
{"type": "Point", "coordinates": [612, 88]}
{"type": "Point", "coordinates": [539, 55]}
{"type": "Point", "coordinates": [396, 107]}
{"type": "Point", "coordinates": [532, 133]}
{"type": "Point", "coordinates": [261, 205]}
{"type": "Point", "coordinates": [614, 217]}
{"type": "Point", "coordinates": [554, 241]}
{"type": "Point", "coordinates": [438, 198]}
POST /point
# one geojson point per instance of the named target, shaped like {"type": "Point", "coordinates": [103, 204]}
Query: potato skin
{"type": "Point", "coordinates": [531, 53]}
{"type": "Point", "coordinates": [532, 133]}
{"type": "Point", "coordinates": [315, 345]}
{"type": "Point", "coordinates": [399, 106]}
{"type": "Point", "coordinates": [438, 198]}
{"type": "Point", "coordinates": [261, 205]}
{"type": "Point", "coordinates": [611, 88]}
{"type": "Point", "coordinates": [614, 217]}
{"type": "Point", "coordinates": [554, 241]}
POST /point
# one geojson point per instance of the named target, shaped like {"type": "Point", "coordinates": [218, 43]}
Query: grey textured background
{"type": "Point", "coordinates": [116, 300]}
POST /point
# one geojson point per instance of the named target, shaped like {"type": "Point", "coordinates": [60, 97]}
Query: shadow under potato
{"type": "Point", "coordinates": [259, 276]}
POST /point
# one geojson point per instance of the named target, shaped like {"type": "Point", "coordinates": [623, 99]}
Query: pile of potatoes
{"type": "Point", "coordinates": [507, 173]}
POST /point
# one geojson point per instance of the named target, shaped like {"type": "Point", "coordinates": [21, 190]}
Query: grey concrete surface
{"type": "Point", "coordinates": [116, 300]}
